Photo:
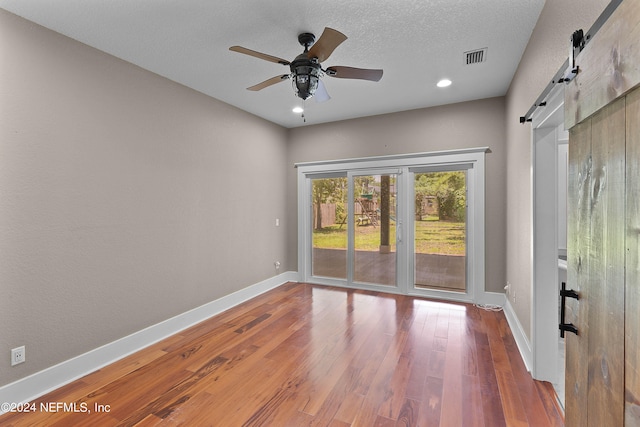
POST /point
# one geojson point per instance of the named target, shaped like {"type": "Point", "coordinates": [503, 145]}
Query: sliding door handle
{"type": "Point", "coordinates": [564, 294]}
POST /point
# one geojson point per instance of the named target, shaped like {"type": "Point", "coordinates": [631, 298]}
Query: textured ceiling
{"type": "Point", "coordinates": [416, 42]}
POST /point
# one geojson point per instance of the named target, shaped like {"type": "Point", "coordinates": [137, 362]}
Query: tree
{"type": "Point", "coordinates": [385, 212]}
{"type": "Point", "coordinates": [328, 190]}
{"type": "Point", "coordinates": [449, 190]}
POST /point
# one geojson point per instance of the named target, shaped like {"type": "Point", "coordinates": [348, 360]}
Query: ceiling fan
{"type": "Point", "coordinates": [306, 71]}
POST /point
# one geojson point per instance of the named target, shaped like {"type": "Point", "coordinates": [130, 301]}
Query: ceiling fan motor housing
{"type": "Point", "coordinates": [306, 74]}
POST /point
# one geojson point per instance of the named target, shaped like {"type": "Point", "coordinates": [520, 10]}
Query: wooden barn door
{"type": "Point", "coordinates": [595, 357]}
{"type": "Point", "coordinates": [602, 111]}
{"type": "Point", "coordinates": [632, 272]}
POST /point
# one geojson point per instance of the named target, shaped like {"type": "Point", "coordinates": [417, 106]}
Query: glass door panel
{"type": "Point", "coordinates": [329, 227]}
{"type": "Point", "coordinates": [440, 231]}
{"type": "Point", "coordinates": [374, 228]}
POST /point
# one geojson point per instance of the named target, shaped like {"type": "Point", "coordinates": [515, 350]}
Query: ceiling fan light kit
{"type": "Point", "coordinates": [306, 71]}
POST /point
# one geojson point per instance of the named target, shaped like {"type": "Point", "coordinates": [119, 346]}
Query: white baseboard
{"type": "Point", "coordinates": [29, 388]}
{"type": "Point", "coordinates": [524, 346]}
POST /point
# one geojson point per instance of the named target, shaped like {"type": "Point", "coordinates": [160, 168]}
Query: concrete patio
{"type": "Point", "coordinates": [432, 271]}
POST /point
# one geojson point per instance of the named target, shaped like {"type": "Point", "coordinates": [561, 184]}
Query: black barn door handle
{"type": "Point", "coordinates": [564, 294]}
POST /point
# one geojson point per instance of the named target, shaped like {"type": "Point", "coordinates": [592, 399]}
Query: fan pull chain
{"type": "Point", "coordinates": [304, 119]}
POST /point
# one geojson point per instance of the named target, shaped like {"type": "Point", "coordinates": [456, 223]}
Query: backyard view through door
{"type": "Point", "coordinates": [354, 236]}
{"type": "Point", "coordinates": [329, 246]}
{"type": "Point", "coordinates": [374, 229]}
{"type": "Point", "coordinates": [371, 215]}
{"type": "Point", "coordinates": [440, 206]}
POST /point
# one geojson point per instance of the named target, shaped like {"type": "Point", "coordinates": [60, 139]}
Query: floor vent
{"type": "Point", "coordinates": [475, 56]}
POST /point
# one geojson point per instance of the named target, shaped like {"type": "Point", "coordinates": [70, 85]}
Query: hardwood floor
{"type": "Point", "coordinates": [315, 355]}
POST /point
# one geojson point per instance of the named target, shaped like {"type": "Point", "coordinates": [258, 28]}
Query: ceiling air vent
{"type": "Point", "coordinates": [475, 56]}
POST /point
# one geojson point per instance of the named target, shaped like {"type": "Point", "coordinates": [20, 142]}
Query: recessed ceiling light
{"type": "Point", "coordinates": [444, 83]}
{"type": "Point", "coordinates": [298, 110]}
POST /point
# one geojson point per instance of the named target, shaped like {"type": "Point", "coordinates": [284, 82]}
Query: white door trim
{"type": "Point", "coordinates": [547, 124]}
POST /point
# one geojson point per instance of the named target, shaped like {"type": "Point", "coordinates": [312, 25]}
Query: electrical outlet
{"type": "Point", "coordinates": [277, 265]}
{"type": "Point", "coordinates": [18, 356]}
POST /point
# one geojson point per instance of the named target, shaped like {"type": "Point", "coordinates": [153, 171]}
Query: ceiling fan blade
{"type": "Point", "coordinates": [260, 55]}
{"type": "Point", "coordinates": [321, 94]}
{"type": "Point", "coordinates": [326, 44]}
{"type": "Point", "coordinates": [269, 82]}
{"type": "Point", "coordinates": [354, 73]}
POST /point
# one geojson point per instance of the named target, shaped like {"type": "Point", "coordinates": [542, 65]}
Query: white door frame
{"type": "Point", "coordinates": [548, 127]}
{"type": "Point", "coordinates": [471, 235]}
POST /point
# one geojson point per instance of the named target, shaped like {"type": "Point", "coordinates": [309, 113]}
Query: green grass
{"type": "Point", "coordinates": [432, 237]}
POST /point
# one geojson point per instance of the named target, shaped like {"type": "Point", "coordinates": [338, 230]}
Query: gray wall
{"type": "Point", "coordinates": [547, 50]}
{"type": "Point", "coordinates": [125, 199]}
{"type": "Point", "coordinates": [470, 124]}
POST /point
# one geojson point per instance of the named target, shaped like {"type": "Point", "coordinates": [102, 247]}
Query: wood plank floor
{"type": "Point", "coordinates": [320, 356]}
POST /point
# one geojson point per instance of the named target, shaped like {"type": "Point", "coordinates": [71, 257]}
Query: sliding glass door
{"type": "Point", "coordinates": [354, 227]}
{"type": "Point", "coordinates": [329, 226]}
{"type": "Point", "coordinates": [372, 223]}
{"type": "Point", "coordinates": [411, 225]}
{"type": "Point", "coordinates": [440, 231]}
